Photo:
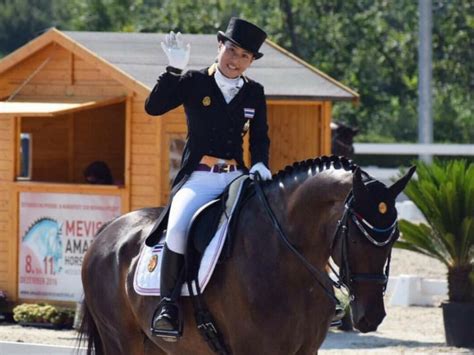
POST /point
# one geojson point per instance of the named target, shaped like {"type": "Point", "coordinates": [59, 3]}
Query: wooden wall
{"type": "Point", "coordinates": [297, 132]}
{"type": "Point", "coordinates": [145, 157]}
{"type": "Point", "coordinates": [64, 77]}
{"type": "Point", "coordinates": [8, 241]}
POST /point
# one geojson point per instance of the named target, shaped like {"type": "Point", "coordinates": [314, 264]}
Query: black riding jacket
{"type": "Point", "coordinates": [215, 127]}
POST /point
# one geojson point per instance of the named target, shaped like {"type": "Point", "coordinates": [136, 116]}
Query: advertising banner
{"type": "Point", "coordinates": [56, 230]}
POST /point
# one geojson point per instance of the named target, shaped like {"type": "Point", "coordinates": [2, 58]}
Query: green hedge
{"type": "Point", "coordinates": [43, 313]}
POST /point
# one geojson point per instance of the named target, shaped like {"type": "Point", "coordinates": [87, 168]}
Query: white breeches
{"type": "Point", "coordinates": [200, 188]}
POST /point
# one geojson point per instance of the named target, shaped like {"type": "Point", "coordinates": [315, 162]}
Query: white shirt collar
{"type": "Point", "coordinates": [229, 87]}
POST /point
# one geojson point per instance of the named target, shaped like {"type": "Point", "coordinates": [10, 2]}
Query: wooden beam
{"type": "Point", "coordinates": [128, 137]}
{"type": "Point", "coordinates": [293, 102]}
{"type": "Point", "coordinates": [326, 128]}
{"type": "Point", "coordinates": [71, 68]}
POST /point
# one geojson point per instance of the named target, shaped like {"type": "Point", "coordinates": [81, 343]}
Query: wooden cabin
{"type": "Point", "coordinates": [70, 98]}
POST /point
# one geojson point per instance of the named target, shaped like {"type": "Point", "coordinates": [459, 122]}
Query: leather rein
{"type": "Point", "coordinates": [345, 278]}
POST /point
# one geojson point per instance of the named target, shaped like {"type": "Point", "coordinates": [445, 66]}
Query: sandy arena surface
{"type": "Point", "coordinates": [405, 330]}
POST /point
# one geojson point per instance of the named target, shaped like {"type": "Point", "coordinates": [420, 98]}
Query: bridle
{"type": "Point", "coordinates": [345, 275]}
{"type": "Point", "coordinates": [345, 278]}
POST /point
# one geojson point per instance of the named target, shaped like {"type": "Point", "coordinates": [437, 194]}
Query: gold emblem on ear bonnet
{"type": "Point", "coordinates": [206, 101]}
{"type": "Point", "coordinates": [382, 207]}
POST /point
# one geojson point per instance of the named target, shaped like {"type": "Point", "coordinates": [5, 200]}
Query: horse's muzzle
{"type": "Point", "coordinates": [366, 325]}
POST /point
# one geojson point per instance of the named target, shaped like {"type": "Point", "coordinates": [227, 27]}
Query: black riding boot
{"type": "Point", "coordinates": [166, 320]}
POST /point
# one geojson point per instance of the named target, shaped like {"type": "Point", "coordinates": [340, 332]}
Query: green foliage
{"type": "Point", "coordinates": [370, 46]}
{"type": "Point", "coordinates": [43, 313]}
{"type": "Point", "coordinates": [23, 20]}
{"type": "Point", "coordinates": [444, 193]}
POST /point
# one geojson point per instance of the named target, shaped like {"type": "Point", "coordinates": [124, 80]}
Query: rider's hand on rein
{"type": "Point", "coordinates": [260, 168]}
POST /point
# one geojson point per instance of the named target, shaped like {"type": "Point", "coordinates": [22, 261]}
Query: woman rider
{"type": "Point", "coordinates": [221, 104]}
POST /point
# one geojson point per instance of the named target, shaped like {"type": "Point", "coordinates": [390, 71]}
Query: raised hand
{"type": "Point", "coordinates": [176, 50]}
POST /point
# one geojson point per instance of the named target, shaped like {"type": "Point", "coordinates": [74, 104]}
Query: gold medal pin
{"type": "Point", "coordinates": [206, 101]}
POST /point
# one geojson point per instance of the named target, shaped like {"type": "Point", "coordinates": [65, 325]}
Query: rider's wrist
{"type": "Point", "coordinates": [173, 70]}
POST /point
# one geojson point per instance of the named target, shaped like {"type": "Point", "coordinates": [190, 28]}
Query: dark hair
{"type": "Point", "coordinates": [98, 172]}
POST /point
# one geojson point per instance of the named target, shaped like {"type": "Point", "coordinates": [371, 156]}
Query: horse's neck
{"type": "Point", "coordinates": [308, 208]}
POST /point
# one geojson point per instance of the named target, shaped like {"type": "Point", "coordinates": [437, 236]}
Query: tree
{"type": "Point", "coordinates": [370, 46]}
{"type": "Point", "coordinates": [21, 21]}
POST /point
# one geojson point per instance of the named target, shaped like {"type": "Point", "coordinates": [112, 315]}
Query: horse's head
{"type": "Point", "coordinates": [363, 244]}
{"type": "Point", "coordinates": [342, 139]}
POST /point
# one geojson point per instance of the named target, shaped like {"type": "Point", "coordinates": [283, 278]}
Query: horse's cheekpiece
{"type": "Point", "coordinates": [206, 101]}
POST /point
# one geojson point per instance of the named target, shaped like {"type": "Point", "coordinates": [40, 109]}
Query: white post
{"type": "Point", "coordinates": [425, 117]}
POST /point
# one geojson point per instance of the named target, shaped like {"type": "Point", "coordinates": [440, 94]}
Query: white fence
{"type": "Point", "coordinates": [413, 149]}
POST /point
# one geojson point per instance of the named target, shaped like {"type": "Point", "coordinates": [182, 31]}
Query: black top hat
{"type": "Point", "coordinates": [245, 35]}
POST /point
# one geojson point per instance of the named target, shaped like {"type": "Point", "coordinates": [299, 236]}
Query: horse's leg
{"type": "Point", "coordinates": [103, 274]}
{"type": "Point", "coordinates": [118, 331]}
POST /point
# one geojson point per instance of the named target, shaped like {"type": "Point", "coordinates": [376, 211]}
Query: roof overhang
{"type": "Point", "coordinates": [52, 109]}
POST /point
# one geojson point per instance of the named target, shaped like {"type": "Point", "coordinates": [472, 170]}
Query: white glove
{"type": "Point", "coordinates": [176, 51]}
{"type": "Point", "coordinates": [265, 174]}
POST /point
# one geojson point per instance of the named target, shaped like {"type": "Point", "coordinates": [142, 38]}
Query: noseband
{"type": "Point", "coordinates": [345, 278]}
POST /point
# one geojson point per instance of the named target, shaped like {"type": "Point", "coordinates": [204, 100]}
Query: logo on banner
{"type": "Point", "coordinates": [43, 238]}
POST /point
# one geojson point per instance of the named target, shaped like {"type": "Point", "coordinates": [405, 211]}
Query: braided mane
{"type": "Point", "coordinates": [312, 166]}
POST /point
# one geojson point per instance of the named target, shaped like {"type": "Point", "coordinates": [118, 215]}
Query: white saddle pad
{"type": "Point", "coordinates": [147, 274]}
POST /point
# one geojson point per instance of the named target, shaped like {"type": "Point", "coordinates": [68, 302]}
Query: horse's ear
{"type": "Point", "coordinates": [358, 187]}
{"type": "Point", "coordinates": [399, 185]}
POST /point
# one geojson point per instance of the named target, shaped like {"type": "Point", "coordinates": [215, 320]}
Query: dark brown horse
{"type": "Point", "coordinates": [265, 298]}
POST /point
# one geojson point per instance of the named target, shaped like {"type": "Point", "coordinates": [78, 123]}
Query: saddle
{"type": "Point", "coordinates": [210, 236]}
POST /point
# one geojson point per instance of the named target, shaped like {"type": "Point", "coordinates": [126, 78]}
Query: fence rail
{"type": "Point", "coordinates": [413, 149]}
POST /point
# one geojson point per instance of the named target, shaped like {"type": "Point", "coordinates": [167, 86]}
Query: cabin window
{"type": "Point", "coordinates": [65, 145]}
{"type": "Point", "coordinates": [176, 148]}
{"type": "Point", "coordinates": [26, 161]}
